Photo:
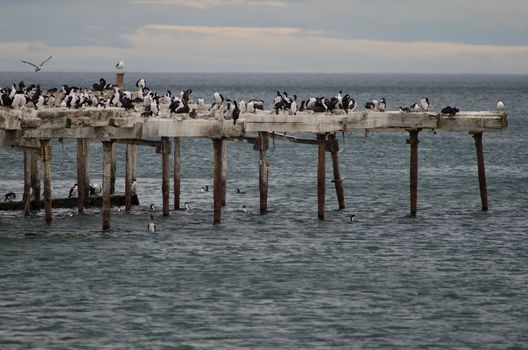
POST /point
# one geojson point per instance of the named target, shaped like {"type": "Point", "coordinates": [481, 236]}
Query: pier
{"type": "Point", "coordinates": [30, 131]}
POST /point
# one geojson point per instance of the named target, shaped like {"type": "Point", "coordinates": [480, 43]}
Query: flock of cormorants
{"type": "Point", "coordinates": [149, 102]}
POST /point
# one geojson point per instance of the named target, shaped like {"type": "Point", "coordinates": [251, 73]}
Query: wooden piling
{"type": "Point", "coordinates": [224, 172]}
{"type": "Point", "coordinates": [481, 171]}
{"type": "Point", "coordinates": [26, 198]}
{"type": "Point", "coordinates": [114, 168]}
{"type": "Point", "coordinates": [333, 145]}
{"type": "Point", "coordinates": [177, 173]}
{"type": "Point", "coordinates": [129, 160]}
{"type": "Point", "coordinates": [413, 141]}
{"type": "Point", "coordinates": [263, 144]}
{"type": "Point", "coordinates": [217, 181]}
{"type": "Point", "coordinates": [321, 138]}
{"type": "Point", "coordinates": [86, 155]}
{"type": "Point", "coordinates": [46, 159]}
{"type": "Point", "coordinates": [35, 176]}
{"type": "Point", "coordinates": [165, 151]}
{"type": "Point", "coordinates": [107, 174]}
{"type": "Point", "coordinates": [81, 172]}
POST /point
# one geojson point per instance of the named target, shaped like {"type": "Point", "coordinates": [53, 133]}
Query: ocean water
{"type": "Point", "coordinates": [453, 277]}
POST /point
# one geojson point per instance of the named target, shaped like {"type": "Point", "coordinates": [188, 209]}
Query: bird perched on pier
{"type": "Point", "coordinates": [294, 107]}
{"type": "Point", "coordinates": [185, 95]}
{"type": "Point", "coordinates": [151, 226]}
{"type": "Point", "coordinates": [405, 109]}
{"type": "Point", "coordinates": [101, 86]}
{"type": "Point", "coordinates": [415, 107]}
{"type": "Point", "coordinates": [425, 104]}
{"type": "Point", "coordinates": [9, 197]}
{"type": "Point", "coordinates": [120, 64]}
{"type": "Point", "coordinates": [73, 191]}
{"type": "Point", "coordinates": [37, 67]}
{"type": "Point", "coordinates": [372, 105]}
{"type": "Point", "coordinates": [19, 99]}
{"type": "Point", "coordinates": [218, 99]}
{"type": "Point", "coordinates": [500, 106]}
{"type": "Point", "coordinates": [450, 111]}
{"type": "Point", "coordinates": [236, 113]}
{"type": "Point", "coordinates": [382, 105]}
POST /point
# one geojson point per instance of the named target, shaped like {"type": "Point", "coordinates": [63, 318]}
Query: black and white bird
{"type": "Point", "coordinates": [452, 111]}
{"type": "Point", "coordinates": [236, 113]}
{"type": "Point", "coordinates": [405, 109]}
{"type": "Point", "coordinates": [37, 67]}
{"type": "Point", "coordinates": [415, 107]}
{"type": "Point", "coordinates": [352, 217]}
{"type": "Point", "coordinates": [120, 64]}
{"type": "Point", "coordinates": [94, 189]}
{"type": "Point", "coordinates": [186, 206]}
{"type": "Point", "coordinates": [244, 209]}
{"type": "Point", "coordinates": [204, 188]}
{"type": "Point", "coordinates": [151, 226]}
{"type": "Point", "coordinates": [9, 197]}
{"type": "Point", "coordinates": [425, 104]}
{"type": "Point", "coordinates": [382, 105]}
{"type": "Point", "coordinates": [294, 107]}
{"type": "Point", "coordinates": [73, 191]}
{"type": "Point", "coordinates": [239, 192]}
{"type": "Point", "coordinates": [372, 105]}
{"type": "Point", "coordinates": [218, 98]}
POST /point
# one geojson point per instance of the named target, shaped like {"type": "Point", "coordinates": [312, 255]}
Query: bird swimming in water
{"type": "Point", "coordinates": [152, 207]}
{"type": "Point", "coordinates": [37, 67]}
{"type": "Point", "coordinates": [94, 189]}
{"type": "Point", "coordinates": [151, 225]}
{"type": "Point", "coordinates": [186, 206]}
{"type": "Point", "coordinates": [500, 106]}
{"type": "Point", "coordinates": [73, 191]}
{"type": "Point", "coordinates": [352, 217]}
{"type": "Point", "coordinates": [239, 192]}
{"type": "Point", "coordinates": [9, 197]}
{"type": "Point", "coordinates": [244, 209]}
{"type": "Point", "coordinates": [204, 188]}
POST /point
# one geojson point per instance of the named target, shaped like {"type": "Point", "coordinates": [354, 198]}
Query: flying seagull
{"type": "Point", "coordinates": [39, 67]}
{"type": "Point", "coordinates": [120, 64]}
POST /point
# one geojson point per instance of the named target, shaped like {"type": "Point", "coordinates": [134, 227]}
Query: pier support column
{"type": "Point", "coordinates": [177, 173]}
{"type": "Point", "coordinates": [413, 141]}
{"type": "Point", "coordinates": [81, 173]}
{"type": "Point", "coordinates": [27, 182]}
{"type": "Point", "coordinates": [321, 138]}
{"type": "Point", "coordinates": [114, 168]}
{"type": "Point", "coordinates": [35, 176]}
{"type": "Point", "coordinates": [481, 171]}
{"type": "Point", "coordinates": [217, 181]}
{"type": "Point", "coordinates": [333, 146]}
{"type": "Point", "coordinates": [224, 172]}
{"type": "Point", "coordinates": [129, 161]}
{"type": "Point", "coordinates": [165, 151]}
{"type": "Point", "coordinates": [107, 175]}
{"type": "Point", "coordinates": [46, 159]}
{"type": "Point", "coordinates": [263, 145]}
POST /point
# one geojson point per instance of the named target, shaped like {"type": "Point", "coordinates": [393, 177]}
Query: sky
{"type": "Point", "coordinates": [334, 36]}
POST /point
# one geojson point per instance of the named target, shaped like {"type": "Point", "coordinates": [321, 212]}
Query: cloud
{"type": "Point", "coordinates": [187, 48]}
{"type": "Point", "coordinates": [204, 4]}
